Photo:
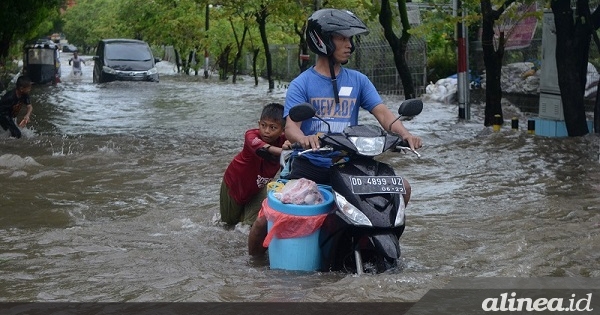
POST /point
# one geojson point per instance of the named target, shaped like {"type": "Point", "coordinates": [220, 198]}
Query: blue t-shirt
{"type": "Point", "coordinates": [355, 91]}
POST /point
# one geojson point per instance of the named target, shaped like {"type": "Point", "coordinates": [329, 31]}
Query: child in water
{"type": "Point", "coordinates": [244, 185]}
{"type": "Point", "coordinates": [10, 106]}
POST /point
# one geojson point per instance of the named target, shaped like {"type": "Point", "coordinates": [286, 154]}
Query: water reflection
{"type": "Point", "coordinates": [112, 196]}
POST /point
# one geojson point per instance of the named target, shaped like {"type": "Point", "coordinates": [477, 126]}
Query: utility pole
{"type": "Point", "coordinates": [464, 108]}
{"type": "Point", "coordinates": [206, 44]}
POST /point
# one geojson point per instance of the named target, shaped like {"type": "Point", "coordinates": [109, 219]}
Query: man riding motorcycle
{"type": "Point", "coordinates": [337, 93]}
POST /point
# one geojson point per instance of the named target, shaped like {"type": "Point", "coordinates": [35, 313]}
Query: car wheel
{"type": "Point", "coordinates": [98, 78]}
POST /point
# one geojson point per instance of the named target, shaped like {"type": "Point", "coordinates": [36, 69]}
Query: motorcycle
{"type": "Point", "coordinates": [362, 233]}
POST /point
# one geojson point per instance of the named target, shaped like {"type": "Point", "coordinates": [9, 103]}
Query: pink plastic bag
{"type": "Point", "coordinates": [300, 192]}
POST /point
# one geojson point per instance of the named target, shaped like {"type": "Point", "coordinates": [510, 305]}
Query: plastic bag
{"type": "Point", "coordinates": [288, 225]}
{"type": "Point", "coordinates": [300, 192]}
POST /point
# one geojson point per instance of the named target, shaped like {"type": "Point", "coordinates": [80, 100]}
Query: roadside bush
{"type": "Point", "coordinates": [440, 66]}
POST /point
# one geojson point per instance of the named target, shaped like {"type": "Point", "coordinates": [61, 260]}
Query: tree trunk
{"type": "Point", "coordinates": [492, 59]}
{"type": "Point", "coordinates": [255, 53]}
{"type": "Point", "coordinates": [189, 62]}
{"type": "Point", "coordinates": [238, 55]}
{"type": "Point", "coordinates": [261, 18]}
{"type": "Point", "coordinates": [223, 62]}
{"type": "Point", "coordinates": [572, 51]}
{"type": "Point", "coordinates": [303, 63]}
{"type": "Point", "coordinates": [398, 45]}
{"type": "Point", "coordinates": [400, 56]}
{"type": "Point", "coordinates": [177, 60]}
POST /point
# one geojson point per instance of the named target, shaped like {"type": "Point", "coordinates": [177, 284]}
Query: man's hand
{"type": "Point", "coordinates": [414, 142]}
{"type": "Point", "coordinates": [311, 141]}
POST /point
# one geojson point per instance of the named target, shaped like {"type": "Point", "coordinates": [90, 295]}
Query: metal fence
{"type": "Point", "coordinates": [373, 57]}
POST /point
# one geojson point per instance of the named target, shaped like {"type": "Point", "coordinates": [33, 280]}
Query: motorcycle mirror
{"type": "Point", "coordinates": [302, 112]}
{"type": "Point", "coordinates": [411, 107]}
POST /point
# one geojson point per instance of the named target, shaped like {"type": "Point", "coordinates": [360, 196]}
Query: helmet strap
{"type": "Point", "coordinates": [334, 79]}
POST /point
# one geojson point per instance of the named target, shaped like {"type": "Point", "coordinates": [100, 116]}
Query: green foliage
{"type": "Point", "coordinates": [182, 23]}
{"type": "Point", "coordinates": [25, 20]}
{"type": "Point", "coordinates": [441, 65]}
{"type": "Point", "coordinates": [90, 21]}
{"type": "Point", "coordinates": [438, 32]}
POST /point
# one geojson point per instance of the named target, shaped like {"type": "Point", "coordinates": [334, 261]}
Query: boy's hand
{"type": "Point", "coordinates": [286, 145]}
{"type": "Point", "coordinates": [24, 121]}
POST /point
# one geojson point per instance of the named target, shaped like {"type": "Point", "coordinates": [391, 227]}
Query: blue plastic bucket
{"type": "Point", "coordinates": [301, 253]}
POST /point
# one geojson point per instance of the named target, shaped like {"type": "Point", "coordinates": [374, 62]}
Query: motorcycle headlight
{"type": "Point", "coordinates": [152, 71]}
{"type": "Point", "coordinates": [400, 214]}
{"type": "Point", "coordinates": [369, 146]}
{"type": "Point", "coordinates": [351, 212]}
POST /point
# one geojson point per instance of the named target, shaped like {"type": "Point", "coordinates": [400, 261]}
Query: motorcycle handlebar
{"type": "Point", "coordinates": [322, 149]}
{"type": "Point", "coordinates": [403, 143]}
{"type": "Point", "coordinates": [297, 146]}
{"type": "Point", "coordinates": [402, 147]}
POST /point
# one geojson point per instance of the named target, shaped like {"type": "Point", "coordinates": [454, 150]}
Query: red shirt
{"type": "Point", "coordinates": [248, 172]}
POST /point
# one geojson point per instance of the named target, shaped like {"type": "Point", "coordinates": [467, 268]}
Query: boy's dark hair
{"type": "Point", "coordinates": [23, 81]}
{"type": "Point", "coordinates": [273, 111]}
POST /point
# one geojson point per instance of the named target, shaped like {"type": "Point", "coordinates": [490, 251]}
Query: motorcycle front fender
{"type": "Point", "coordinates": [387, 245]}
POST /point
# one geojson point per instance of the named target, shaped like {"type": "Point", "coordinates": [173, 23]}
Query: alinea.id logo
{"type": "Point", "coordinates": [504, 303]}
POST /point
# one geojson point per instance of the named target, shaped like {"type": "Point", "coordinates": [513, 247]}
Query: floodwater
{"type": "Point", "coordinates": [112, 195]}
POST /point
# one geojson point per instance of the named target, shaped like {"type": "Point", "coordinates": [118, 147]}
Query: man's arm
{"type": "Point", "coordinates": [386, 117]}
{"type": "Point", "coordinates": [294, 134]}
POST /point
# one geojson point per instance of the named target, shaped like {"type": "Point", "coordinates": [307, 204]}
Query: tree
{"type": "Point", "coordinates": [240, 48]}
{"type": "Point", "coordinates": [492, 58]}
{"type": "Point", "coordinates": [303, 60]}
{"type": "Point", "coordinates": [398, 45]}
{"type": "Point", "coordinates": [305, 9]}
{"type": "Point", "coordinates": [180, 27]}
{"type": "Point", "coordinates": [21, 20]}
{"type": "Point", "coordinates": [573, 36]}
{"type": "Point", "coordinates": [441, 46]}
{"type": "Point", "coordinates": [239, 14]}
{"type": "Point", "coordinates": [92, 20]}
{"type": "Point", "coordinates": [261, 19]}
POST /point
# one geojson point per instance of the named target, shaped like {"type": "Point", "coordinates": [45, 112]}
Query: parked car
{"type": "Point", "coordinates": [69, 48]}
{"type": "Point", "coordinates": [124, 60]}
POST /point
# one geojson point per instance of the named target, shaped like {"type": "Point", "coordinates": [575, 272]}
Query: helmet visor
{"type": "Point", "coordinates": [352, 32]}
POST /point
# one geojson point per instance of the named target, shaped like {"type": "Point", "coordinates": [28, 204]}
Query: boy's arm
{"type": "Point", "coordinates": [27, 116]}
{"type": "Point", "coordinates": [276, 151]}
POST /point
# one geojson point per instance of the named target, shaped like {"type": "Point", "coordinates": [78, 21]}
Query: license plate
{"type": "Point", "coordinates": [377, 184]}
